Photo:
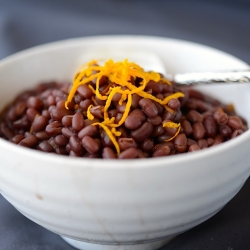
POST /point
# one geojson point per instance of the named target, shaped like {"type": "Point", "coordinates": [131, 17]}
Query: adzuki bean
{"type": "Point", "coordinates": [38, 119]}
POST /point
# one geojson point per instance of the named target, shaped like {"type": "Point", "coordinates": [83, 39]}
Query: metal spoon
{"type": "Point", "coordinates": [151, 61]}
{"type": "Point", "coordinates": [240, 76]}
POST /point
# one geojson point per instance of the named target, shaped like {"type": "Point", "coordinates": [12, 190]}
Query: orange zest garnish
{"type": "Point", "coordinates": [120, 74]}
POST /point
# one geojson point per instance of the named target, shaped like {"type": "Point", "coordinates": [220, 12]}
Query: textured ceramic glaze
{"type": "Point", "coordinates": [126, 204]}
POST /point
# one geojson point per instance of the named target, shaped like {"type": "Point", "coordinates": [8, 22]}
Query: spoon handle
{"type": "Point", "coordinates": [212, 77]}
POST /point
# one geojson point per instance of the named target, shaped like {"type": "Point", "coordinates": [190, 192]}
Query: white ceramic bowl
{"type": "Point", "coordinates": [126, 204]}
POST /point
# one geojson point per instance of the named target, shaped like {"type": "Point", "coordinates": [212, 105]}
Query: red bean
{"type": "Point", "coordinates": [192, 93]}
{"type": "Point", "coordinates": [143, 132]}
{"type": "Point", "coordinates": [67, 132]}
{"type": "Point", "coordinates": [51, 100]}
{"type": "Point", "coordinates": [193, 147]}
{"type": "Point", "coordinates": [155, 87]}
{"type": "Point", "coordinates": [61, 150]}
{"type": "Point", "coordinates": [85, 104]}
{"type": "Point", "coordinates": [135, 119]}
{"type": "Point", "coordinates": [46, 93]}
{"type": "Point", "coordinates": [169, 130]}
{"type": "Point", "coordinates": [191, 142]}
{"type": "Point", "coordinates": [126, 143]}
{"type": "Point", "coordinates": [58, 114]}
{"type": "Point", "coordinates": [180, 142]}
{"type": "Point", "coordinates": [31, 113]}
{"type": "Point", "coordinates": [11, 114]}
{"type": "Point", "coordinates": [39, 123]}
{"type": "Point", "coordinates": [157, 131]}
{"type": "Point", "coordinates": [187, 127]}
{"type": "Point", "coordinates": [88, 122]}
{"type": "Point", "coordinates": [163, 137]}
{"type": "Point", "coordinates": [129, 153]}
{"type": "Point", "coordinates": [7, 133]}
{"type": "Point", "coordinates": [191, 104]}
{"type": "Point", "coordinates": [46, 113]}
{"type": "Point", "coordinates": [135, 101]}
{"type": "Point", "coordinates": [106, 141]}
{"type": "Point", "coordinates": [170, 144]}
{"type": "Point", "coordinates": [90, 155]}
{"type": "Point", "coordinates": [34, 102]}
{"type": "Point", "coordinates": [236, 133]}
{"type": "Point", "coordinates": [99, 101]}
{"type": "Point", "coordinates": [112, 113]}
{"type": "Point", "coordinates": [235, 122]}
{"type": "Point", "coordinates": [45, 146]}
{"type": "Point", "coordinates": [118, 117]}
{"type": "Point", "coordinates": [67, 120]}
{"type": "Point", "coordinates": [90, 144]}
{"type": "Point", "coordinates": [54, 128]}
{"type": "Point", "coordinates": [168, 116]}
{"type": "Point", "coordinates": [174, 104]}
{"type": "Point", "coordinates": [75, 144]}
{"type": "Point", "coordinates": [29, 141]}
{"type": "Point", "coordinates": [141, 154]}
{"type": "Point", "coordinates": [74, 154]}
{"type": "Point", "coordinates": [161, 151]}
{"type": "Point", "coordinates": [88, 131]}
{"type": "Point", "coordinates": [108, 153]}
{"type": "Point", "coordinates": [220, 117]}
{"type": "Point", "coordinates": [155, 120]}
{"type": "Point", "coordinates": [203, 106]}
{"type": "Point", "coordinates": [60, 103]}
{"type": "Point", "coordinates": [210, 141]}
{"type": "Point", "coordinates": [121, 108]}
{"type": "Point", "coordinates": [219, 138]}
{"type": "Point", "coordinates": [147, 145]}
{"type": "Point", "coordinates": [78, 122]}
{"type": "Point", "coordinates": [22, 123]}
{"type": "Point", "coordinates": [216, 143]}
{"type": "Point", "coordinates": [198, 130]}
{"type": "Point", "coordinates": [167, 88]}
{"type": "Point", "coordinates": [225, 130]}
{"type": "Point", "coordinates": [194, 116]}
{"type": "Point", "coordinates": [178, 116]}
{"type": "Point", "coordinates": [203, 143]}
{"type": "Point", "coordinates": [61, 140]}
{"type": "Point", "coordinates": [124, 132]}
{"type": "Point", "coordinates": [116, 97]}
{"type": "Point", "coordinates": [17, 138]}
{"type": "Point", "coordinates": [148, 107]}
{"type": "Point", "coordinates": [210, 126]}
{"type": "Point", "coordinates": [97, 111]}
{"type": "Point", "coordinates": [20, 109]}
{"type": "Point", "coordinates": [85, 91]}
{"type": "Point", "coordinates": [159, 107]}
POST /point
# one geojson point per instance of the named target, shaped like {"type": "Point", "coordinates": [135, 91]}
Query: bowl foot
{"type": "Point", "coordinates": [92, 246]}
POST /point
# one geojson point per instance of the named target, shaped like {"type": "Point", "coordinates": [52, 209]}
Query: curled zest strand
{"type": "Point", "coordinates": [110, 135]}
{"type": "Point", "coordinates": [89, 115]}
{"type": "Point", "coordinates": [177, 132]}
{"type": "Point", "coordinates": [172, 125]}
{"type": "Point", "coordinates": [120, 76]}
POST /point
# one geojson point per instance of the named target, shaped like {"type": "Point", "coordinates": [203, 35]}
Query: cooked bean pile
{"type": "Point", "coordinates": [38, 119]}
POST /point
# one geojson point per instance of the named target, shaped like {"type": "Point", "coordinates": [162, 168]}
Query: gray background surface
{"type": "Point", "coordinates": [222, 24]}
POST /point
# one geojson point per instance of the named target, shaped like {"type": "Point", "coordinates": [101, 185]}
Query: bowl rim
{"type": "Point", "coordinates": [125, 163]}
